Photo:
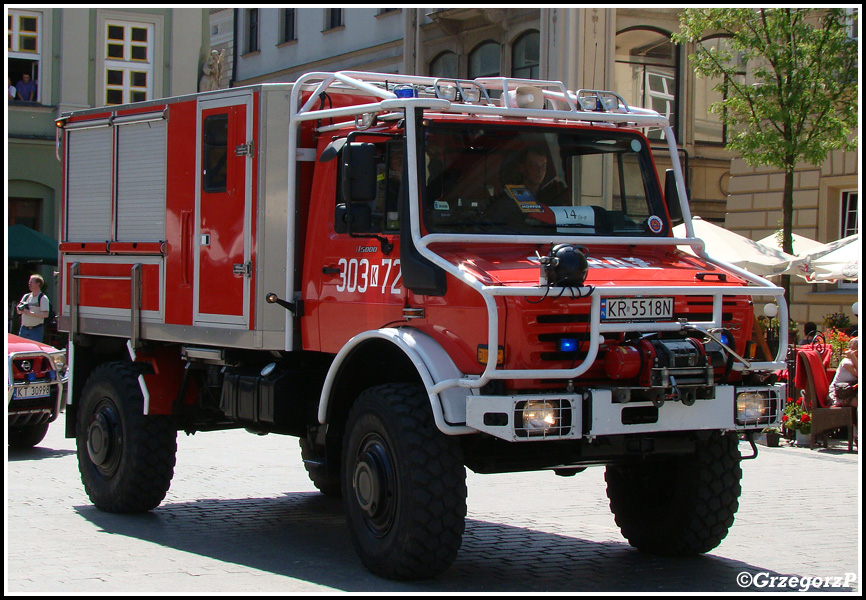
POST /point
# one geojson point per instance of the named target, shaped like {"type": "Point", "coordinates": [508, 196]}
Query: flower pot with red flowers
{"type": "Point", "coordinates": [797, 418]}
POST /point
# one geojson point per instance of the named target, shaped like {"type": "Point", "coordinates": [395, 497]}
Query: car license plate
{"type": "Point", "coordinates": [32, 391]}
{"type": "Point", "coordinates": [623, 309]}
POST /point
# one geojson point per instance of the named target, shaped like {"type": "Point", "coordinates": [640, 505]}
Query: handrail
{"type": "Point", "coordinates": [135, 299]}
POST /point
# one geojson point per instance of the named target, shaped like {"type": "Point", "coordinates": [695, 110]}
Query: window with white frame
{"type": "Point", "coordinates": [850, 217]}
{"type": "Point", "coordinates": [646, 72]}
{"type": "Point", "coordinates": [24, 52]}
{"type": "Point", "coordinates": [129, 64]}
{"type": "Point", "coordinates": [849, 225]}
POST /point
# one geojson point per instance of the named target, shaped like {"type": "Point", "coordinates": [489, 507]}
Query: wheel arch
{"type": "Point", "coordinates": [400, 355]}
{"type": "Point", "coordinates": [84, 357]}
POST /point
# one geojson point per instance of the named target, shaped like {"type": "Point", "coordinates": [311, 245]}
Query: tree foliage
{"type": "Point", "coordinates": [799, 99]}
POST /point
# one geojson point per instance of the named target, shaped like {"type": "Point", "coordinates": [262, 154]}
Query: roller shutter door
{"type": "Point", "coordinates": [88, 210]}
{"type": "Point", "coordinates": [141, 164]}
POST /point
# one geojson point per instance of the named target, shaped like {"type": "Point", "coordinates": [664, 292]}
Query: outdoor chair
{"type": "Point", "coordinates": [811, 377]}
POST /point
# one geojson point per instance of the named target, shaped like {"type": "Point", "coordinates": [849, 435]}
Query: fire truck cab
{"type": "Point", "coordinates": [412, 276]}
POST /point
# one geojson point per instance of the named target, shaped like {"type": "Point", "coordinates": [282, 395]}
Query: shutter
{"type": "Point", "coordinates": [88, 210]}
{"type": "Point", "coordinates": [141, 163]}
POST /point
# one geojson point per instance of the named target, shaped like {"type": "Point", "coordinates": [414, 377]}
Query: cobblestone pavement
{"type": "Point", "coordinates": [242, 517]}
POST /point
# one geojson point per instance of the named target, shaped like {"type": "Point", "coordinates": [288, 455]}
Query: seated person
{"type": "Point", "coordinates": [532, 175]}
{"type": "Point", "coordinates": [846, 373]}
{"type": "Point", "coordinates": [811, 330]}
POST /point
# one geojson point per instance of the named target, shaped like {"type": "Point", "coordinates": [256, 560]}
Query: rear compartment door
{"type": "Point", "coordinates": [223, 267]}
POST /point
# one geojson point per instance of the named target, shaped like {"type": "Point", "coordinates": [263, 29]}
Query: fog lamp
{"type": "Point", "coordinates": [751, 407]}
{"type": "Point", "coordinates": [471, 94]}
{"type": "Point", "coordinates": [447, 91]}
{"type": "Point", "coordinates": [539, 416]}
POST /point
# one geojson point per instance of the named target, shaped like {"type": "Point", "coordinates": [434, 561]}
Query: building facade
{"type": "Point", "coordinates": [826, 208]}
{"type": "Point", "coordinates": [79, 58]}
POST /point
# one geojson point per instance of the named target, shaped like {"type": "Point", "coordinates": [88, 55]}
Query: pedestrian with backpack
{"type": "Point", "coordinates": [34, 308]}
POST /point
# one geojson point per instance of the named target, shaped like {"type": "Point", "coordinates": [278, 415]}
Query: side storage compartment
{"type": "Point", "coordinates": [274, 398]}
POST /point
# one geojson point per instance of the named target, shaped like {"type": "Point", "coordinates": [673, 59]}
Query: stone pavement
{"type": "Point", "coordinates": [242, 517]}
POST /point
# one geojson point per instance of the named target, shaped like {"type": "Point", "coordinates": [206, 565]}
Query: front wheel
{"type": "Point", "coordinates": [404, 484]}
{"type": "Point", "coordinates": [26, 436]}
{"type": "Point", "coordinates": [125, 457]}
{"type": "Point", "coordinates": [678, 506]}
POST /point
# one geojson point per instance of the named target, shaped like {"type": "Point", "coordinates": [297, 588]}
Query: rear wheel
{"type": "Point", "coordinates": [678, 506]}
{"type": "Point", "coordinates": [126, 458]}
{"type": "Point", "coordinates": [325, 482]}
{"type": "Point", "coordinates": [404, 484]}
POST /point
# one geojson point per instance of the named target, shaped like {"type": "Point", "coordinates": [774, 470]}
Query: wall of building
{"type": "Point", "coordinates": [754, 211]}
{"type": "Point", "coordinates": [367, 40]}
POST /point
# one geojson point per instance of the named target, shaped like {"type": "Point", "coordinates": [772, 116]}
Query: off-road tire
{"type": "Point", "coordinates": [126, 459]}
{"type": "Point", "coordinates": [324, 481]}
{"type": "Point", "coordinates": [26, 436]}
{"type": "Point", "coordinates": [404, 484]}
{"type": "Point", "coordinates": [678, 506]}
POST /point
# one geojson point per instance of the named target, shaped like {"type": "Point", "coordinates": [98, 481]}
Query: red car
{"type": "Point", "coordinates": [36, 377]}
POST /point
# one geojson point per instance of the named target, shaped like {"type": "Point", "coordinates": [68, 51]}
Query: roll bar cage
{"type": "Point", "coordinates": [410, 96]}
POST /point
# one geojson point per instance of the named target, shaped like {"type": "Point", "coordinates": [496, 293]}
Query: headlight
{"type": "Point", "coordinates": [752, 407]}
{"type": "Point", "coordinates": [59, 359]}
{"type": "Point", "coordinates": [539, 416]}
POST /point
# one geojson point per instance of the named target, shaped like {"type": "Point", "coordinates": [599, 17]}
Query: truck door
{"type": "Point", "coordinates": [361, 285]}
{"type": "Point", "coordinates": [223, 221]}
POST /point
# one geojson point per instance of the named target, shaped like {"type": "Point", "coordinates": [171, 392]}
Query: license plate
{"type": "Point", "coordinates": [622, 309]}
{"type": "Point", "coordinates": [32, 391]}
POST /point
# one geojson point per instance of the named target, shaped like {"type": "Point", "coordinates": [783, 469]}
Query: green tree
{"type": "Point", "coordinates": [798, 100]}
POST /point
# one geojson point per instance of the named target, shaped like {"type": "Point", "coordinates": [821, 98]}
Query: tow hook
{"type": "Point", "coordinates": [752, 444]}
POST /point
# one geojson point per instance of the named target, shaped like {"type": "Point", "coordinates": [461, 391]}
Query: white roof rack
{"type": "Point", "coordinates": [483, 95]}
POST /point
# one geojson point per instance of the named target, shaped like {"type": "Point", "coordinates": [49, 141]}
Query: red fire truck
{"type": "Point", "coordinates": [412, 276]}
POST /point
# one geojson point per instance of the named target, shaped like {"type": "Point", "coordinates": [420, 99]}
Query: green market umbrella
{"type": "Point", "coordinates": [26, 245]}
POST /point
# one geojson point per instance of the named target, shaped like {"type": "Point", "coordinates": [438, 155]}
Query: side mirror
{"type": "Point", "coordinates": [359, 172]}
{"type": "Point", "coordinates": [672, 198]}
{"type": "Point", "coordinates": [353, 217]}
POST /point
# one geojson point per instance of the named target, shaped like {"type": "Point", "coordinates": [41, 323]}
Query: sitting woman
{"type": "Point", "coordinates": [844, 388]}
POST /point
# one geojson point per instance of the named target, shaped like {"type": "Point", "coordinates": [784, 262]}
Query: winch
{"type": "Point", "coordinates": [681, 369]}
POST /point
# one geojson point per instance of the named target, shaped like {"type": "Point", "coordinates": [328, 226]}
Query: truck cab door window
{"type": "Point", "coordinates": [215, 153]}
{"type": "Point", "coordinates": [378, 214]}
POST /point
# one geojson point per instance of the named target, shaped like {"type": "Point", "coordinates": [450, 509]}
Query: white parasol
{"type": "Point", "coordinates": [801, 244]}
{"type": "Point", "coordinates": [733, 248]}
{"type": "Point", "coordinates": [830, 262]}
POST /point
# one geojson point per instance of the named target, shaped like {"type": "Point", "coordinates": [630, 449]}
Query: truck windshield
{"type": "Point", "coordinates": [511, 180]}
